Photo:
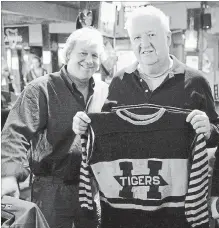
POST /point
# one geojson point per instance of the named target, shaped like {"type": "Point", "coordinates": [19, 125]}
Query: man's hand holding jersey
{"type": "Point", "coordinates": [200, 123]}
{"type": "Point", "coordinates": [80, 123]}
{"type": "Point", "coordinates": [198, 119]}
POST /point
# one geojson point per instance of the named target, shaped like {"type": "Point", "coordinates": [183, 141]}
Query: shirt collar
{"type": "Point", "coordinates": [71, 83]}
{"type": "Point", "coordinates": [177, 67]}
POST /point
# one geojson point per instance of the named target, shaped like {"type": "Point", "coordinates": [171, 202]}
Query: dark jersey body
{"type": "Point", "coordinates": [141, 161]}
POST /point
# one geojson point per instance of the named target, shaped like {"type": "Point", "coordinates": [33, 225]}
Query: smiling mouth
{"type": "Point", "coordinates": [147, 52]}
{"type": "Point", "coordinates": [87, 68]}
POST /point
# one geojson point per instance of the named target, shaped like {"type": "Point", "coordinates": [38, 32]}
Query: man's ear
{"type": "Point", "coordinates": [67, 56]}
{"type": "Point", "coordinates": [169, 38]}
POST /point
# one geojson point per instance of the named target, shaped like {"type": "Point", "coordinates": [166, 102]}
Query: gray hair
{"type": "Point", "coordinates": [145, 11]}
{"type": "Point", "coordinates": [88, 34]}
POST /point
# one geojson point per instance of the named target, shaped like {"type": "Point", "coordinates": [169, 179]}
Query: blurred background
{"type": "Point", "coordinates": [40, 28]}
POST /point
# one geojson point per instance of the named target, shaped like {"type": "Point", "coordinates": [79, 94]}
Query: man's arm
{"type": "Point", "coordinates": [207, 105]}
{"type": "Point", "coordinates": [214, 137]}
{"type": "Point", "coordinates": [212, 114]}
{"type": "Point", "coordinates": [25, 119]}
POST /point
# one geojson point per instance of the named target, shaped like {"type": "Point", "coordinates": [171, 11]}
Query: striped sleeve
{"type": "Point", "coordinates": [196, 202]}
{"type": "Point", "coordinates": [85, 189]}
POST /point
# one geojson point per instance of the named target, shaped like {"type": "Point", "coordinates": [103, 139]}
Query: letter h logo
{"type": "Point", "coordinates": [153, 180]}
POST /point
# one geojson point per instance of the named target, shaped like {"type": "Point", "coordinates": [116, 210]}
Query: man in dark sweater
{"type": "Point", "coordinates": [159, 78]}
{"type": "Point", "coordinates": [41, 123]}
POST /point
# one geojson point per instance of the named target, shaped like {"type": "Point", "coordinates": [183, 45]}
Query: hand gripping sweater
{"type": "Point", "coordinates": [147, 162]}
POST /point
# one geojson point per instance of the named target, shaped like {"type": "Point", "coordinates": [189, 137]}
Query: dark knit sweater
{"type": "Point", "coordinates": [41, 122]}
{"type": "Point", "coordinates": [184, 88]}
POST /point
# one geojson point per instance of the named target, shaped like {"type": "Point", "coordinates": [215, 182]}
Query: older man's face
{"type": "Point", "coordinates": [149, 40]}
{"type": "Point", "coordinates": [84, 60]}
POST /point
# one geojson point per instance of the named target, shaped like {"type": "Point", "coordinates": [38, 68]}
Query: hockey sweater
{"type": "Point", "coordinates": [147, 162]}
